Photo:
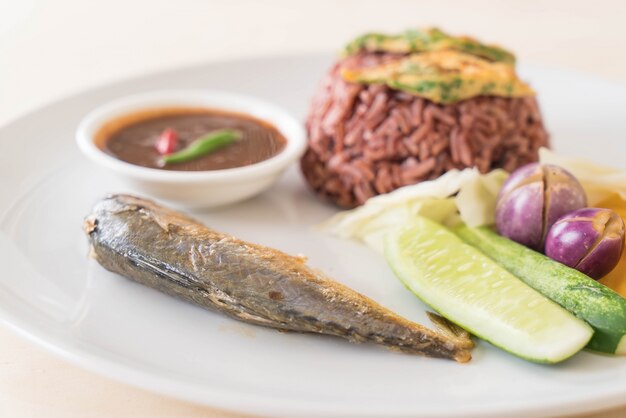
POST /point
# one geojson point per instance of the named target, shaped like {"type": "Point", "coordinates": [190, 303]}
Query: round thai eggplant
{"type": "Point", "coordinates": [591, 240]}
{"type": "Point", "coordinates": [532, 199]}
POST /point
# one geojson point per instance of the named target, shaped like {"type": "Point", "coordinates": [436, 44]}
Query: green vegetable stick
{"type": "Point", "coordinates": [473, 291]}
{"type": "Point", "coordinates": [589, 300]}
{"type": "Point", "coordinates": [204, 145]}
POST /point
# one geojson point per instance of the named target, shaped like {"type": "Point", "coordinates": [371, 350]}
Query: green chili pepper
{"type": "Point", "coordinates": [204, 145]}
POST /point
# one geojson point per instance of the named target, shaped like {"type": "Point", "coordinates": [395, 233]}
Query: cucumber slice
{"type": "Point", "coordinates": [473, 291]}
{"type": "Point", "coordinates": [599, 306]}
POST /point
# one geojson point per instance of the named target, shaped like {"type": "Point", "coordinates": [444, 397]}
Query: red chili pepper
{"type": "Point", "coordinates": [167, 142]}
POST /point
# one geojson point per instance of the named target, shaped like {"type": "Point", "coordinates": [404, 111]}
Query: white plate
{"type": "Point", "coordinates": [51, 293]}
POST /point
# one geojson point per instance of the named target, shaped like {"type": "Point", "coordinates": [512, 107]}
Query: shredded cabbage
{"type": "Point", "coordinates": [457, 196]}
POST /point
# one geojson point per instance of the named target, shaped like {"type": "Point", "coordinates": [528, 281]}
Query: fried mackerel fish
{"type": "Point", "coordinates": [170, 252]}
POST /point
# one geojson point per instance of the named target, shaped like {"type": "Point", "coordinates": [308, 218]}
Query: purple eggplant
{"type": "Point", "coordinates": [532, 199]}
{"type": "Point", "coordinates": [591, 240]}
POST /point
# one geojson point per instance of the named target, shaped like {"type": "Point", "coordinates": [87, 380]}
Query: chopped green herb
{"type": "Point", "coordinates": [443, 76]}
{"type": "Point", "coordinates": [432, 39]}
{"type": "Point", "coordinates": [488, 88]}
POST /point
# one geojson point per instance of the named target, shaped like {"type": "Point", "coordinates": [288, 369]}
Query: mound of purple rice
{"type": "Point", "coordinates": [365, 140]}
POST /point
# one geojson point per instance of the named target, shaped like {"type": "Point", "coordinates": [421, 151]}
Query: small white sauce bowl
{"type": "Point", "coordinates": [195, 189]}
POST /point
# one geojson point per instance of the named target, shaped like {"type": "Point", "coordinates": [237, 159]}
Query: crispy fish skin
{"type": "Point", "coordinates": [170, 252]}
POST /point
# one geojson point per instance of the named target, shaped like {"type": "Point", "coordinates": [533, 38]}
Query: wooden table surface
{"type": "Point", "coordinates": [51, 49]}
